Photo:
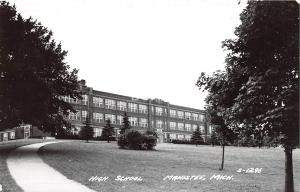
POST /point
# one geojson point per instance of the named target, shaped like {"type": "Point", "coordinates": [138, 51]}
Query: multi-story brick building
{"type": "Point", "coordinates": [168, 120]}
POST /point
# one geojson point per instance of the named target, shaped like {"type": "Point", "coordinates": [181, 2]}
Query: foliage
{"type": "Point", "coordinates": [33, 74]}
{"type": "Point", "coordinates": [181, 141]}
{"type": "Point", "coordinates": [213, 140]}
{"type": "Point", "coordinates": [122, 141]}
{"type": "Point", "coordinates": [125, 125]}
{"type": "Point", "coordinates": [108, 131]}
{"type": "Point", "coordinates": [259, 90]}
{"type": "Point", "coordinates": [87, 131]}
{"type": "Point", "coordinates": [66, 134]}
{"type": "Point", "coordinates": [136, 140]}
{"type": "Point", "coordinates": [197, 137]}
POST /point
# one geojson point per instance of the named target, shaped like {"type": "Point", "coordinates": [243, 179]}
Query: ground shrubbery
{"type": "Point", "coordinates": [184, 141]}
{"type": "Point", "coordinates": [138, 141]}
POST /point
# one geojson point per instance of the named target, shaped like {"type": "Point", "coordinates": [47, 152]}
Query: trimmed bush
{"type": "Point", "coordinates": [150, 141]}
{"type": "Point", "coordinates": [135, 139]}
{"type": "Point", "coordinates": [138, 141]}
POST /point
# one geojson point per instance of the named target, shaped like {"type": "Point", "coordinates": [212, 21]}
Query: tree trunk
{"type": "Point", "coordinates": [223, 151]}
{"type": "Point", "coordinates": [289, 179]}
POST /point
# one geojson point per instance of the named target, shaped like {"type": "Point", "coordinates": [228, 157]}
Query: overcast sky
{"type": "Point", "coordinates": [141, 48]}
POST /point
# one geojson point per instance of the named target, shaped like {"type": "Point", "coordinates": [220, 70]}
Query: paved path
{"type": "Point", "coordinates": [33, 175]}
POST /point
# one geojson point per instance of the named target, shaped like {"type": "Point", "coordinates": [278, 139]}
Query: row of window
{"type": "Point", "coordinates": [185, 126]}
{"type": "Point", "coordinates": [134, 121]}
{"type": "Point", "coordinates": [180, 136]}
{"type": "Point", "coordinates": [133, 107]}
{"type": "Point", "coordinates": [101, 118]}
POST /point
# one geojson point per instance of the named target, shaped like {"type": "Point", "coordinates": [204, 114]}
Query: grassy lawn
{"type": "Point", "coordinates": [80, 161]}
{"type": "Point", "coordinates": [8, 184]}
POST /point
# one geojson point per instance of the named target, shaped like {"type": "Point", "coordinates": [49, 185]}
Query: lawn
{"type": "Point", "coordinates": [154, 169]}
{"type": "Point", "coordinates": [7, 183]}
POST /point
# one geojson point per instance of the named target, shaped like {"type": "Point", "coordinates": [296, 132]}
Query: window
{"type": "Point", "coordinates": [133, 121]}
{"type": "Point", "coordinates": [187, 115]}
{"type": "Point", "coordinates": [98, 117]}
{"type": "Point", "coordinates": [172, 125]}
{"type": "Point", "coordinates": [159, 124]}
{"type": "Point", "coordinates": [74, 116]}
{"type": "Point", "coordinates": [143, 109]}
{"type": "Point", "coordinates": [110, 104]}
{"type": "Point", "coordinates": [119, 119]}
{"type": "Point", "coordinates": [122, 105]}
{"type": "Point", "coordinates": [180, 126]}
{"type": "Point", "coordinates": [179, 136]}
{"type": "Point", "coordinates": [12, 135]}
{"type": "Point", "coordinates": [172, 136]}
{"type": "Point", "coordinates": [202, 129]}
{"type": "Point", "coordinates": [97, 102]}
{"type": "Point", "coordinates": [83, 115]}
{"type": "Point", "coordinates": [97, 132]}
{"type": "Point", "coordinates": [188, 127]}
{"type": "Point", "coordinates": [188, 137]}
{"type": "Point", "coordinates": [132, 107]}
{"type": "Point", "coordinates": [69, 99]}
{"type": "Point", "coordinates": [143, 122]}
{"type": "Point", "coordinates": [172, 113]}
{"type": "Point", "coordinates": [180, 114]}
{"type": "Point", "coordinates": [26, 131]}
{"type": "Point", "coordinates": [111, 117]}
{"type": "Point", "coordinates": [195, 116]}
{"type": "Point", "coordinates": [210, 128]}
{"type": "Point", "coordinates": [152, 110]}
{"type": "Point", "coordinates": [202, 117]}
{"type": "Point", "coordinates": [158, 110]}
{"type": "Point", "coordinates": [194, 128]}
{"type": "Point", "coordinates": [85, 100]}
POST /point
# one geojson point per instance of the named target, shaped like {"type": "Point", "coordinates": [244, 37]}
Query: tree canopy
{"type": "Point", "coordinates": [33, 74]}
{"type": "Point", "coordinates": [258, 93]}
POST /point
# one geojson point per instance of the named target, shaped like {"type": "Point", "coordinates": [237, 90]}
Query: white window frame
{"type": "Point", "coordinates": [122, 105]}
{"type": "Point", "coordinates": [110, 104]}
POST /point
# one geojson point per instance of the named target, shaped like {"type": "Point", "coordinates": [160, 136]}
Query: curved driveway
{"type": "Point", "coordinates": [33, 175]}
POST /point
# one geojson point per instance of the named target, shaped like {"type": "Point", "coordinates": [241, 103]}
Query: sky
{"type": "Point", "coordinates": [141, 48]}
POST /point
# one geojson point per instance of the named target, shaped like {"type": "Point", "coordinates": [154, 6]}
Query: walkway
{"type": "Point", "coordinates": [33, 175]}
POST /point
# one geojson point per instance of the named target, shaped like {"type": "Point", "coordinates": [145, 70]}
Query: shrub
{"type": "Point", "coordinates": [179, 141]}
{"type": "Point", "coordinates": [122, 141]}
{"type": "Point", "coordinates": [139, 141]}
{"type": "Point", "coordinates": [150, 141]}
{"type": "Point", "coordinates": [135, 139]}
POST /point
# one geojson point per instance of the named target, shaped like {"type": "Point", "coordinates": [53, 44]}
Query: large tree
{"type": "Point", "coordinates": [33, 74]}
{"type": "Point", "coordinates": [262, 67]}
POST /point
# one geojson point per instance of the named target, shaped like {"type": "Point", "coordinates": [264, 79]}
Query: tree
{"type": "Point", "coordinates": [197, 136]}
{"type": "Point", "coordinates": [267, 51]}
{"type": "Point", "coordinates": [87, 131]}
{"type": "Point", "coordinates": [33, 74]}
{"type": "Point", "coordinates": [213, 138]}
{"type": "Point", "coordinates": [126, 124]}
{"type": "Point", "coordinates": [107, 131]}
{"type": "Point", "coordinates": [262, 75]}
{"type": "Point", "coordinates": [219, 100]}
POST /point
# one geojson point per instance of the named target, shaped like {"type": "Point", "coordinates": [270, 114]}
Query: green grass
{"type": "Point", "coordinates": [80, 161]}
{"type": "Point", "coordinates": [7, 182]}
